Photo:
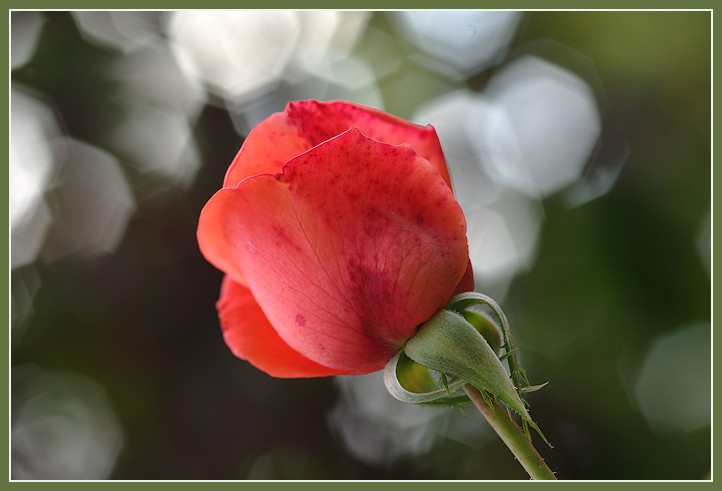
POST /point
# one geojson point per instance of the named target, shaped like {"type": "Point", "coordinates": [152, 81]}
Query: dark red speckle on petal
{"type": "Point", "coordinates": [284, 238]}
{"type": "Point", "coordinates": [300, 320]}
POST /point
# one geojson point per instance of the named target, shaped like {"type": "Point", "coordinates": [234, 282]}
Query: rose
{"type": "Point", "coordinates": [339, 235]}
{"type": "Point", "coordinates": [344, 249]}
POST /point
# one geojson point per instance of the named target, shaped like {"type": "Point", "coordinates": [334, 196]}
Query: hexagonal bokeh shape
{"type": "Point", "coordinates": [673, 388]}
{"type": "Point", "coordinates": [93, 202]}
{"type": "Point", "coordinates": [375, 427]}
{"type": "Point", "coordinates": [541, 128]}
{"type": "Point", "coordinates": [159, 143]}
{"type": "Point", "coordinates": [63, 426]}
{"type": "Point", "coordinates": [121, 30]}
{"type": "Point", "coordinates": [238, 54]}
{"type": "Point", "coordinates": [468, 40]}
{"type": "Point", "coordinates": [32, 167]}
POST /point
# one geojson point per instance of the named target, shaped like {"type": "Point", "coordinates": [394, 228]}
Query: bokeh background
{"type": "Point", "coordinates": [579, 147]}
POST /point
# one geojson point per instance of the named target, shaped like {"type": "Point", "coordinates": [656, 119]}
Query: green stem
{"type": "Point", "coordinates": [519, 444]}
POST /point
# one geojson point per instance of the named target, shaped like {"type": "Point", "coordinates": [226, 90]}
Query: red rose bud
{"type": "Point", "coordinates": [339, 235]}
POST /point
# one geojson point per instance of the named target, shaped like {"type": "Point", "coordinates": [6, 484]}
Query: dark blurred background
{"type": "Point", "coordinates": [579, 146]}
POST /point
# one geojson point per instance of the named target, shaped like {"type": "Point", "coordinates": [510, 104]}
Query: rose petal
{"type": "Point", "coordinates": [300, 127]}
{"type": "Point", "coordinates": [251, 337]}
{"type": "Point", "coordinates": [347, 251]}
{"type": "Point", "coordinates": [305, 124]}
{"type": "Point", "coordinates": [269, 145]}
{"type": "Point", "coordinates": [467, 281]}
{"type": "Point", "coordinates": [213, 242]}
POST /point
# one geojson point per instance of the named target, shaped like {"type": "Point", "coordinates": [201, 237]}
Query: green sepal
{"type": "Point", "coordinates": [457, 402]}
{"type": "Point", "coordinates": [448, 343]}
{"type": "Point", "coordinates": [410, 382]}
{"type": "Point", "coordinates": [462, 341]}
{"type": "Point", "coordinates": [478, 302]}
{"type": "Point", "coordinates": [533, 388]}
{"type": "Point", "coordinates": [485, 324]}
